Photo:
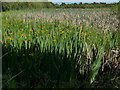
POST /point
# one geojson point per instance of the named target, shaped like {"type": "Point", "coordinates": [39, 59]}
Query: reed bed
{"type": "Point", "coordinates": [62, 47]}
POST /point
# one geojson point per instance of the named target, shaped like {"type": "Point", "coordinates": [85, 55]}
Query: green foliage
{"type": "Point", "coordinates": [87, 5]}
{"type": "Point", "coordinates": [47, 53]}
{"type": "Point", "coordinates": [23, 5]}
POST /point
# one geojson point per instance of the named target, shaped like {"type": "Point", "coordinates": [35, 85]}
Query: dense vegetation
{"type": "Point", "coordinates": [60, 47]}
{"type": "Point", "coordinates": [51, 48]}
{"type": "Point", "coordinates": [87, 5]}
{"type": "Point", "coordinates": [23, 5]}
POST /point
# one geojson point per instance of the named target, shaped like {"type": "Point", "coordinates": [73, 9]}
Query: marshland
{"type": "Point", "coordinates": [61, 47]}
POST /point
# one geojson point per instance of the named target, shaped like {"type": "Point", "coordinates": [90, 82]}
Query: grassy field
{"type": "Point", "coordinates": [60, 48]}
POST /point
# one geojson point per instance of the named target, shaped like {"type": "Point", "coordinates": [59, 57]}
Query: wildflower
{"type": "Point", "coordinates": [22, 29]}
{"type": "Point", "coordinates": [30, 30]}
{"type": "Point", "coordinates": [67, 30]}
{"type": "Point", "coordinates": [8, 37]}
{"type": "Point", "coordinates": [89, 32]}
{"type": "Point", "coordinates": [26, 26]}
{"type": "Point", "coordinates": [25, 37]}
{"type": "Point", "coordinates": [62, 31]}
{"type": "Point", "coordinates": [88, 38]}
{"type": "Point", "coordinates": [31, 54]}
{"type": "Point", "coordinates": [54, 40]}
{"type": "Point", "coordinates": [70, 30]}
{"type": "Point", "coordinates": [11, 33]}
{"type": "Point", "coordinates": [36, 37]}
{"type": "Point", "coordinates": [41, 30]}
{"type": "Point", "coordinates": [53, 36]}
{"type": "Point", "coordinates": [82, 33]}
{"type": "Point", "coordinates": [42, 27]}
{"type": "Point", "coordinates": [22, 35]}
{"type": "Point", "coordinates": [23, 54]}
{"type": "Point", "coordinates": [47, 30]}
{"type": "Point", "coordinates": [35, 32]}
{"type": "Point", "coordinates": [39, 26]}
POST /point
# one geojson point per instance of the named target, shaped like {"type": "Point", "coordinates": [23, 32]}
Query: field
{"type": "Point", "coordinates": [60, 48]}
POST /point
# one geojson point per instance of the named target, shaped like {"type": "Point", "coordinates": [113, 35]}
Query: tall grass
{"type": "Point", "coordinates": [53, 53]}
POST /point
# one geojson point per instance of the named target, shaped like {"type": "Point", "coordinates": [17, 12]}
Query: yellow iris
{"type": "Point", "coordinates": [30, 30]}
{"type": "Point", "coordinates": [89, 32]}
{"type": "Point", "coordinates": [41, 30]}
{"type": "Point", "coordinates": [22, 35]}
{"type": "Point", "coordinates": [67, 30]}
{"type": "Point", "coordinates": [54, 40]}
{"type": "Point", "coordinates": [62, 31]}
{"type": "Point", "coordinates": [82, 33]}
{"type": "Point", "coordinates": [42, 27]}
{"type": "Point", "coordinates": [53, 36]}
{"type": "Point", "coordinates": [33, 28]}
{"type": "Point", "coordinates": [25, 37]}
{"type": "Point", "coordinates": [10, 39]}
{"type": "Point", "coordinates": [22, 29]}
{"type": "Point", "coordinates": [11, 33]}
{"type": "Point", "coordinates": [88, 38]}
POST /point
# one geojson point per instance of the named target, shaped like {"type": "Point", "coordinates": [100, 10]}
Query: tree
{"type": "Point", "coordinates": [63, 4]}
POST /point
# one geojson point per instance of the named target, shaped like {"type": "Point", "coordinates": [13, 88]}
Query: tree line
{"type": "Point", "coordinates": [22, 5]}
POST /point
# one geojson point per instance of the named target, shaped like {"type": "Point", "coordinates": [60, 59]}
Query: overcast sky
{"type": "Point", "coordinates": [108, 1]}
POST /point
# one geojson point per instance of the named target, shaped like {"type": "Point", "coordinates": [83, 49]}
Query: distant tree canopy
{"type": "Point", "coordinates": [22, 5]}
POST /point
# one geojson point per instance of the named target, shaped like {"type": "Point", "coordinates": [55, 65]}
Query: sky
{"type": "Point", "coordinates": [84, 1]}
